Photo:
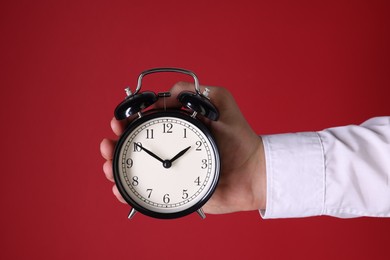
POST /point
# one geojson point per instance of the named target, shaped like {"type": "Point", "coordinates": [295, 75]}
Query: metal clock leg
{"type": "Point", "coordinates": [201, 213]}
{"type": "Point", "coordinates": [132, 213]}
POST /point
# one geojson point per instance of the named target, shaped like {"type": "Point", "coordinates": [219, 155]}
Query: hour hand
{"type": "Point", "coordinates": [179, 154]}
{"type": "Point", "coordinates": [149, 152]}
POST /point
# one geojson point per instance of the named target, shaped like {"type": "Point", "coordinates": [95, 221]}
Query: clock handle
{"type": "Point", "coordinates": [177, 70]}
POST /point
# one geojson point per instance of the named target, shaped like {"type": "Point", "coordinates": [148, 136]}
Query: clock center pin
{"type": "Point", "coordinates": [167, 164]}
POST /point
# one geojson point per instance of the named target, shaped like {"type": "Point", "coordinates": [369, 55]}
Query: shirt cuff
{"type": "Point", "coordinates": [295, 175]}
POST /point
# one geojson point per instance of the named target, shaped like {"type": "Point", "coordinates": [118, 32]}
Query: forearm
{"type": "Point", "coordinates": [342, 172]}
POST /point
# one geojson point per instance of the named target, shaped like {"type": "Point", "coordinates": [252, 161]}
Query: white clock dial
{"type": "Point", "coordinates": [167, 164]}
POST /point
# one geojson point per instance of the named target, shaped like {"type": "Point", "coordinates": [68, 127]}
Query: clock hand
{"type": "Point", "coordinates": [150, 153]}
{"type": "Point", "coordinates": [179, 154]}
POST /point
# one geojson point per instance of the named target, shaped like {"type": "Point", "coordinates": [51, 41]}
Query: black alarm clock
{"type": "Point", "coordinates": [166, 163]}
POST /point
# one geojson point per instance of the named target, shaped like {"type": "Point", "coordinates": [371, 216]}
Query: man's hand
{"type": "Point", "coordinates": [242, 185]}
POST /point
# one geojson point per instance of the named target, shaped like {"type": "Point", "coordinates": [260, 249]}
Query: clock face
{"type": "Point", "coordinates": [167, 165]}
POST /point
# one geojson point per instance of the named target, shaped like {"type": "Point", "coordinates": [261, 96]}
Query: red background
{"type": "Point", "coordinates": [291, 65]}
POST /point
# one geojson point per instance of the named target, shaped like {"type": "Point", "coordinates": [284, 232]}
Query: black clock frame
{"type": "Point", "coordinates": [152, 114]}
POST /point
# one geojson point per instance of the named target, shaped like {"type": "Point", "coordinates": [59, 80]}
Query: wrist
{"type": "Point", "coordinates": [256, 178]}
{"type": "Point", "coordinates": [259, 185]}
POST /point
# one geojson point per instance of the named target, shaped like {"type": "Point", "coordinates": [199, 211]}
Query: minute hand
{"type": "Point", "coordinates": [149, 152]}
{"type": "Point", "coordinates": [179, 154]}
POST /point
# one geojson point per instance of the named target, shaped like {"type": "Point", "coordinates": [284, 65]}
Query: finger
{"type": "Point", "coordinates": [107, 147]}
{"type": "Point", "coordinates": [180, 87]}
{"type": "Point", "coordinates": [118, 126]}
{"type": "Point", "coordinates": [214, 92]}
{"type": "Point", "coordinates": [107, 169]}
{"type": "Point", "coordinates": [117, 194]}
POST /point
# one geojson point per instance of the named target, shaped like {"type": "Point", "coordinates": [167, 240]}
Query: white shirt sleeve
{"type": "Point", "coordinates": [342, 172]}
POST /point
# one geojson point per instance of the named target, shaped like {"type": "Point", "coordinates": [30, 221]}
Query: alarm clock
{"type": "Point", "coordinates": [166, 163]}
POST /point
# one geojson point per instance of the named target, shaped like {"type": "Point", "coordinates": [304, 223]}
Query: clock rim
{"type": "Point", "coordinates": [152, 114]}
